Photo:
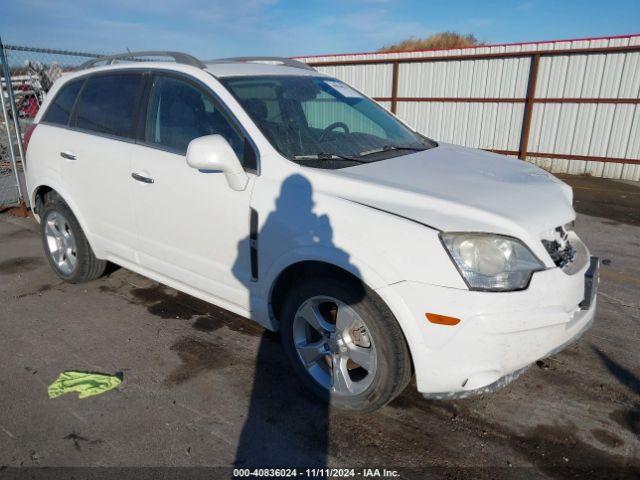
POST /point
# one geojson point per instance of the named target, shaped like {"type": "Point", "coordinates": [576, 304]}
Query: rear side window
{"type": "Point", "coordinates": [60, 110]}
{"type": "Point", "coordinates": [107, 104]}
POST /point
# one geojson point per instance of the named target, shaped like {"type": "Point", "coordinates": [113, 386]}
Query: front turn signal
{"type": "Point", "coordinates": [442, 319]}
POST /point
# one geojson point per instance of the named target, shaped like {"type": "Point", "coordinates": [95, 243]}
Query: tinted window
{"type": "Point", "coordinates": [60, 110]}
{"type": "Point", "coordinates": [107, 104]}
{"type": "Point", "coordinates": [179, 112]}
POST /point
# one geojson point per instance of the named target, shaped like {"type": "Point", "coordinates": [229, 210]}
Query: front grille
{"type": "Point", "coordinates": [560, 249]}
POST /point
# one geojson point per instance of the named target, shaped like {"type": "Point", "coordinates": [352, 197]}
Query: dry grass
{"type": "Point", "coordinates": [435, 41]}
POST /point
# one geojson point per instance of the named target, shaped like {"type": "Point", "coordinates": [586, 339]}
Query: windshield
{"type": "Point", "coordinates": [322, 122]}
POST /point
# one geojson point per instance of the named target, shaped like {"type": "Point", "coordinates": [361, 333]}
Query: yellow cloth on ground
{"type": "Point", "coordinates": [85, 383]}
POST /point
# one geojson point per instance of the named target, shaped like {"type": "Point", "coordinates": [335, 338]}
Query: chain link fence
{"type": "Point", "coordinates": [27, 75]}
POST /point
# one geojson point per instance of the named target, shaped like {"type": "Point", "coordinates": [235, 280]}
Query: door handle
{"type": "Point", "coordinates": [68, 155]}
{"type": "Point", "coordinates": [141, 178]}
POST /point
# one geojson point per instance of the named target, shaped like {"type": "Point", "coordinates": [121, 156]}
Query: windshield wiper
{"type": "Point", "coordinates": [328, 156]}
{"type": "Point", "coordinates": [387, 148]}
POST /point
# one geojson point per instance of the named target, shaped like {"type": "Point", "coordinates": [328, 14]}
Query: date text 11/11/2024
{"type": "Point", "coordinates": [315, 473]}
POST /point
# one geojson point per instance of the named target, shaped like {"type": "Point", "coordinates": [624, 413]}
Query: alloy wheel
{"type": "Point", "coordinates": [334, 345]}
{"type": "Point", "coordinates": [61, 242]}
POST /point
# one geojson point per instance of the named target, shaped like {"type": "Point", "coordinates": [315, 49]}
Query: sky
{"type": "Point", "coordinates": [221, 28]}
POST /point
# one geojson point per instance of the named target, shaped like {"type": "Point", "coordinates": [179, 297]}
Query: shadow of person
{"type": "Point", "coordinates": [286, 426]}
{"type": "Point", "coordinates": [628, 379]}
{"type": "Point", "coordinates": [625, 376]}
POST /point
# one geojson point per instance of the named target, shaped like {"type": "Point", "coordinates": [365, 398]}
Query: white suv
{"type": "Point", "coordinates": [288, 197]}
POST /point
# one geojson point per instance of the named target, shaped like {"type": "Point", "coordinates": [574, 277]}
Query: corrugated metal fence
{"type": "Point", "coordinates": [569, 106]}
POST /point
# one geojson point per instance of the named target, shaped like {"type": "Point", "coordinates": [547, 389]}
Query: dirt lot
{"type": "Point", "coordinates": [203, 387]}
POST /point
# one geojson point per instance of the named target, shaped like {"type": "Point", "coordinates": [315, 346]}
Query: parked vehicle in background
{"type": "Point", "coordinates": [288, 197]}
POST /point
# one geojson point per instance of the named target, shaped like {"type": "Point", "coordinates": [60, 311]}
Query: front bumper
{"type": "Point", "coordinates": [499, 334]}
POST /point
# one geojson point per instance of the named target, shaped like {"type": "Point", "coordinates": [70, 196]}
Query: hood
{"type": "Point", "coordinates": [455, 188]}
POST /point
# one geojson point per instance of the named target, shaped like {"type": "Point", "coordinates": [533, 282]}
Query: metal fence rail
{"type": "Point", "coordinates": [27, 75]}
{"type": "Point", "coordinates": [572, 109]}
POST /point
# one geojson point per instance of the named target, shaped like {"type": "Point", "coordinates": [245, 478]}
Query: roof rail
{"type": "Point", "coordinates": [178, 57]}
{"type": "Point", "coordinates": [288, 62]}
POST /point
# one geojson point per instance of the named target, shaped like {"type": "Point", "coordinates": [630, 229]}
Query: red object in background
{"type": "Point", "coordinates": [29, 108]}
{"type": "Point", "coordinates": [29, 105]}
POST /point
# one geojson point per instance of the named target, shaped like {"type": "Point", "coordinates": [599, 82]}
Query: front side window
{"type": "Point", "coordinates": [60, 109]}
{"type": "Point", "coordinates": [322, 122]}
{"type": "Point", "coordinates": [178, 112]}
{"type": "Point", "coordinates": [107, 104]}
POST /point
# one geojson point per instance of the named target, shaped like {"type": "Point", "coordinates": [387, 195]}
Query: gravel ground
{"type": "Point", "coordinates": [203, 387]}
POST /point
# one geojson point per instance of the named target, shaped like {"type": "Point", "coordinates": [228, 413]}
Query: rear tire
{"type": "Point", "coordinates": [65, 244]}
{"type": "Point", "coordinates": [373, 338]}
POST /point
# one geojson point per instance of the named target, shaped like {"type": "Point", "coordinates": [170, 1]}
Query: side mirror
{"type": "Point", "coordinates": [213, 152]}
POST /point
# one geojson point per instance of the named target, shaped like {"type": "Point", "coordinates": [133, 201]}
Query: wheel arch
{"type": "Point", "coordinates": [39, 196]}
{"type": "Point", "coordinates": [300, 265]}
{"type": "Point", "coordinates": [301, 269]}
{"type": "Point", "coordinates": [305, 268]}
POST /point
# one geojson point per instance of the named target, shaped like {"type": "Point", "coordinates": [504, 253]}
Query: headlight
{"type": "Point", "coordinates": [491, 262]}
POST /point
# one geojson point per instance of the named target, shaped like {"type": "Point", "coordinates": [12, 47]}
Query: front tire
{"type": "Point", "coordinates": [65, 244]}
{"type": "Point", "coordinates": [344, 343]}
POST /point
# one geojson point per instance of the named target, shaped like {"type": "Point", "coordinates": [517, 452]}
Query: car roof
{"type": "Point", "coordinates": [218, 69]}
{"type": "Point", "coordinates": [237, 69]}
{"type": "Point", "coordinates": [221, 67]}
